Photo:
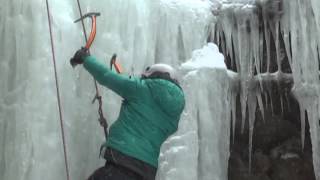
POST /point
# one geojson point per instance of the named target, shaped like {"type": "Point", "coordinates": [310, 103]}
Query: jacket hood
{"type": "Point", "coordinates": [167, 95]}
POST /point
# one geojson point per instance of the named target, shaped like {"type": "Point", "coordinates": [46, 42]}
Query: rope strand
{"type": "Point", "coordinates": [102, 119]}
{"type": "Point", "coordinates": [58, 93]}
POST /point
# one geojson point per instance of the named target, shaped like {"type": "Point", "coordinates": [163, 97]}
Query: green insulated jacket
{"type": "Point", "coordinates": [149, 113]}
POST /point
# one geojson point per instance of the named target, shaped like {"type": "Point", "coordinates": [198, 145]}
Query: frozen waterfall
{"type": "Point", "coordinates": [144, 32]}
{"type": "Point", "coordinates": [140, 32]}
{"type": "Point", "coordinates": [274, 41]}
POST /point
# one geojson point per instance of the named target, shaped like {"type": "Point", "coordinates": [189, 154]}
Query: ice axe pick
{"type": "Point", "coordinates": [93, 16]}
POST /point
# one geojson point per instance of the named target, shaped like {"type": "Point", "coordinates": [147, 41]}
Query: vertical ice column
{"type": "Point", "coordinates": [24, 105]}
{"type": "Point", "coordinates": [204, 131]}
{"type": "Point", "coordinates": [179, 154]}
{"type": "Point", "coordinates": [213, 123]}
{"type": "Point", "coordinates": [300, 24]}
{"type": "Point", "coordinates": [239, 35]}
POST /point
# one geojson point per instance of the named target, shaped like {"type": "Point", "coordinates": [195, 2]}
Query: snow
{"type": "Point", "coordinates": [209, 56]}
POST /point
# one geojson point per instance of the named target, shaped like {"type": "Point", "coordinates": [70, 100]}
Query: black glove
{"type": "Point", "coordinates": [79, 56]}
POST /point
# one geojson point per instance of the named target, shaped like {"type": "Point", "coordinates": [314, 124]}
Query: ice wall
{"type": "Point", "coordinates": [249, 32]}
{"type": "Point", "coordinates": [302, 25]}
{"type": "Point", "coordinates": [141, 32]}
{"type": "Point", "coordinates": [200, 148]}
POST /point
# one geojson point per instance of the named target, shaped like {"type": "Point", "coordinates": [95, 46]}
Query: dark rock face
{"type": "Point", "coordinates": [277, 153]}
{"type": "Point", "coordinates": [238, 169]}
{"type": "Point", "coordinates": [277, 149]}
{"type": "Point", "coordinates": [294, 168]}
{"type": "Point", "coordinates": [272, 132]}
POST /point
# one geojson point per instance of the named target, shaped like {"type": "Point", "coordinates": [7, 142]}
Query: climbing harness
{"type": "Point", "coordinates": [58, 93]}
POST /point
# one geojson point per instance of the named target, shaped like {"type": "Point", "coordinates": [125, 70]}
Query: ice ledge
{"type": "Point", "coordinates": [207, 57]}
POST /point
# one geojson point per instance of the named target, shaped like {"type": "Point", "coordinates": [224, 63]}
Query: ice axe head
{"type": "Point", "coordinates": [91, 15]}
{"type": "Point", "coordinates": [93, 32]}
{"type": "Point", "coordinates": [113, 62]}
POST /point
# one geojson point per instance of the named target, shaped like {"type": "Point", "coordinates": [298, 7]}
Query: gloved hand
{"type": "Point", "coordinates": [79, 56]}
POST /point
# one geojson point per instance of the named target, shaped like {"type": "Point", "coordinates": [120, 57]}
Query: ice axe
{"type": "Point", "coordinates": [113, 62]}
{"type": "Point", "coordinates": [93, 16]}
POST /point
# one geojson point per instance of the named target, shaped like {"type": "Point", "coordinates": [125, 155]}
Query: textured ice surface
{"type": "Point", "coordinates": [202, 140]}
{"type": "Point", "coordinates": [305, 44]}
{"type": "Point", "coordinates": [200, 148]}
{"type": "Point", "coordinates": [249, 30]}
{"type": "Point", "coordinates": [144, 32]}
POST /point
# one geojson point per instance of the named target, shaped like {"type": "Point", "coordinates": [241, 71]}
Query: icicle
{"type": "Point", "coordinates": [288, 101]}
{"type": "Point", "coordinates": [303, 125]}
{"type": "Point", "coordinates": [230, 39]}
{"type": "Point", "coordinates": [234, 111]}
{"type": "Point", "coordinates": [235, 44]}
{"type": "Point", "coordinates": [267, 39]}
{"type": "Point", "coordinates": [282, 105]}
{"type": "Point", "coordinates": [305, 67]}
{"type": "Point", "coordinates": [255, 41]}
{"type": "Point", "coordinates": [265, 94]}
{"type": "Point", "coordinates": [287, 47]}
{"type": "Point", "coordinates": [260, 60]}
{"type": "Point", "coordinates": [271, 105]}
{"type": "Point", "coordinates": [261, 107]}
{"type": "Point", "coordinates": [275, 34]}
{"type": "Point", "coordinates": [243, 112]}
{"type": "Point", "coordinates": [252, 103]}
{"type": "Point", "coordinates": [280, 93]}
{"type": "Point", "coordinates": [313, 117]}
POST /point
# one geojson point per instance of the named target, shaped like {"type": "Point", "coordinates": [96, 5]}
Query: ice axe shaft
{"type": "Point", "coordinates": [93, 16]}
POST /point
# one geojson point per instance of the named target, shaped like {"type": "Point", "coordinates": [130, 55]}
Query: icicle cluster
{"type": "Point", "coordinates": [301, 33]}
{"type": "Point", "coordinates": [141, 32]}
{"type": "Point", "coordinates": [274, 41]}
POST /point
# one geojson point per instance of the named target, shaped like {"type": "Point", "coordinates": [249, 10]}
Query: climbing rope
{"type": "Point", "coordinates": [58, 93]}
{"type": "Point", "coordinates": [102, 119]}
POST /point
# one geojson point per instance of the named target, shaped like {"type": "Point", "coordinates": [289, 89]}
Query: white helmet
{"type": "Point", "coordinates": [160, 68]}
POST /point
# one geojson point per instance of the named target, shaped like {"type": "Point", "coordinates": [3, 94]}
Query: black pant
{"type": "Point", "coordinates": [122, 167]}
{"type": "Point", "coordinates": [114, 172]}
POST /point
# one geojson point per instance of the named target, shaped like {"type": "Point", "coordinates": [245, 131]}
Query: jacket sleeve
{"type": "Point", "coordinates": [123, 85]}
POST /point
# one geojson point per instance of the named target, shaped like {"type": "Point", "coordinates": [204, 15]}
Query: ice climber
{"type": "Point", "coordinates": [149, 114]}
